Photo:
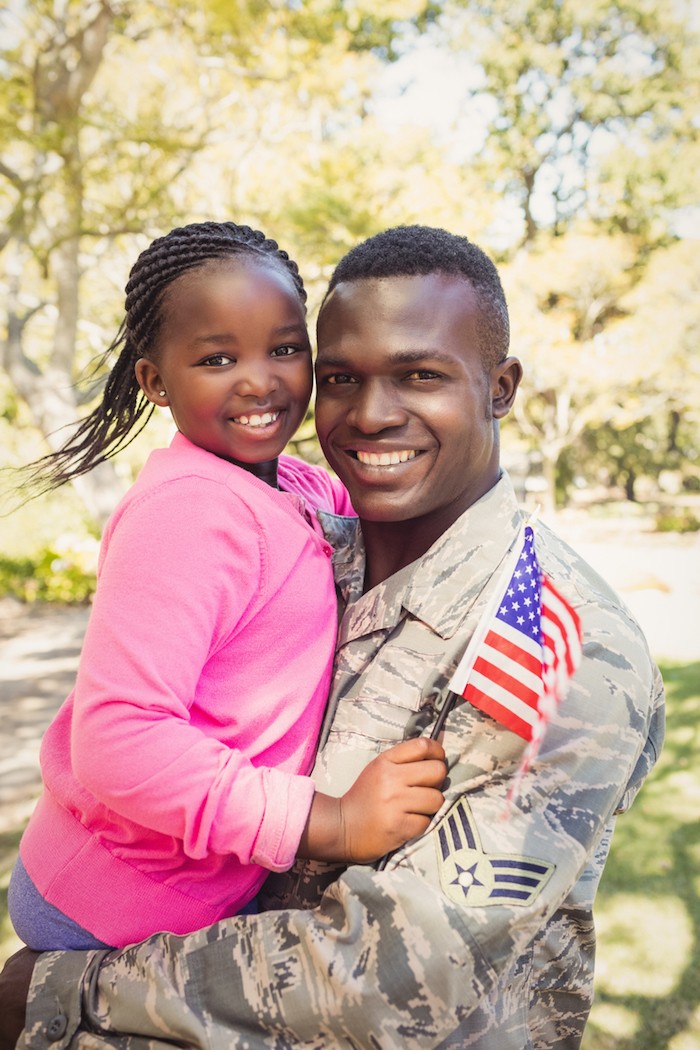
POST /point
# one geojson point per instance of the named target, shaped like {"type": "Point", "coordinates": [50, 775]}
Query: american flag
{"type": "Point", "coordinates": [527, 646]}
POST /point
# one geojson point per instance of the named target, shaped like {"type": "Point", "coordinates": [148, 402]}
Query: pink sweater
{"type": "Point", "coordinates": [175, 773]}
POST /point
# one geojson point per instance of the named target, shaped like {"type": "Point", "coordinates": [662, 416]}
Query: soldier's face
{"type": "Point", "coordinates": [405, 411]}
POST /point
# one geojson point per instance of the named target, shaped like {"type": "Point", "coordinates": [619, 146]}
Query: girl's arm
{"type": "Point", "coordinates": [182, 569]}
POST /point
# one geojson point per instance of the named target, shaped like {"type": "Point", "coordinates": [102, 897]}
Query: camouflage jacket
{"type": "Point", "coordinates": [430, 951]}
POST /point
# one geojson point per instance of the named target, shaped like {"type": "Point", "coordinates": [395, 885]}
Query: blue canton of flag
{"type": "Point", "coordinates": [526, 648]}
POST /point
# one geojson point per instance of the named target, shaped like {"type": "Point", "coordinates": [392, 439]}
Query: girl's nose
{"type": "Point", "coordinates": [255, 379]}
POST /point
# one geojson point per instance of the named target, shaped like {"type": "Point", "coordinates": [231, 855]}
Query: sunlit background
{"type": "Point", "coordinates": [563, 137]}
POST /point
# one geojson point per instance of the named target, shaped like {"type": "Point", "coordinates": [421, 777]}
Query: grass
{"type": "Point", "coordinates": [648, 908]}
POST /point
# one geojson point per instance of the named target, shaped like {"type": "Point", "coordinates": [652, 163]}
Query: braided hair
{"type": "Point", "coordinates": [410, 251]}
{"type": "Point", "coordinates": [124, 409]}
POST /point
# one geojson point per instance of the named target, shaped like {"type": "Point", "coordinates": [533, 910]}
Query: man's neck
{"type": "Point", "coordinates": [390, 546]}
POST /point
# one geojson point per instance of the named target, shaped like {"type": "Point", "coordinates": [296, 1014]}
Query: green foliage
{"type": "Point", "coordinates": [682, 520]}
{"type": "Point", "coordinates": [648, 907]}
{"type": "Point", "coordinates": [564, 83]}
{"type": "Point", "coordinates": [619, 456]}
{"type": "Point", "coordinates": [49, 576]}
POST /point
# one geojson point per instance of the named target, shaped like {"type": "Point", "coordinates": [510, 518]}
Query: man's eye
{"type": "Point", "coordinates": [338, 378]}
{"type": "Point", "coordinates": [217, 360]}
{"type": "Point", "coordinates": [423, 373]}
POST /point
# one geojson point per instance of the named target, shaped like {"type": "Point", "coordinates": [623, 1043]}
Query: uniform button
{"type": "Point", "coordinates": [56, 1028]}
{"type": "Point", "coordinates": [328, 550]}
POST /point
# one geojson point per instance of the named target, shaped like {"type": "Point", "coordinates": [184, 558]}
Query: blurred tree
{"type": "Point", "coordinates": [610, 347]}
{"type": "Point", "coordinates": [112, 113]}
{"type": "Point", "coordinates": [589, 123]}
{"type": "Point", "coordinates": [585, 107]}
{"type": "Point", "coordinates": [561, 300]}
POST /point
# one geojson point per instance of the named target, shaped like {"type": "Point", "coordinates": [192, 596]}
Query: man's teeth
{"type": "Point", "coordinates": [385, 459]}
{"type": "Point", "coordinates": [257, 421]}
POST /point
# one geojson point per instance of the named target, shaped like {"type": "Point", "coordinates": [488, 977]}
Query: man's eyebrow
{"type": "Point", "coordinates": [400, 357]}
{"type": "Point", "coordinates": [410, 357]}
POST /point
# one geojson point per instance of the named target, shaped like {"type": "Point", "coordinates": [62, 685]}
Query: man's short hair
{"type": "Point", "coordinates": [410, 251]}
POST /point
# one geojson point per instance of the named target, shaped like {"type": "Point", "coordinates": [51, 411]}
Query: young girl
{"type": "Point", "coordinates": [176, 772]}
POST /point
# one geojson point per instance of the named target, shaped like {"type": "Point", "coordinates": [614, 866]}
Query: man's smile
{"type": "Point", "coordinates": [384, 459]}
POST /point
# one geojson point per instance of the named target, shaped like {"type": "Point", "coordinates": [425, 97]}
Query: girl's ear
{"type": "Point", "coordinates": [505, 379]}
{"type": "Point", "coordinates": [150, 381]}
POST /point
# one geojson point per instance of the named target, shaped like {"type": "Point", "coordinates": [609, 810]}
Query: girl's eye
{"type": "Point", "coordinates": [285, 351]}
{"type": "Point", "coordinates": [217, 360]}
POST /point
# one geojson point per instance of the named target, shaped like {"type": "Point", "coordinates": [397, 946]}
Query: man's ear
{"type": "Point", "coordinates": [149, 379]}
{"type": "Point", "coordinates": [505, 380]}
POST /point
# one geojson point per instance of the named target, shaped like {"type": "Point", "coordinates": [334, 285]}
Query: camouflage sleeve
{"type": "Point", "coordinates": [363, 970]}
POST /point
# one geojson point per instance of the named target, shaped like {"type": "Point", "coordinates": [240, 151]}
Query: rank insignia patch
{"type": "Point", "coordinates": [471, 876]}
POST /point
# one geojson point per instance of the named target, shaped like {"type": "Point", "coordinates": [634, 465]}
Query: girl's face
{"type": "Point", "coordinates": [234, 359]}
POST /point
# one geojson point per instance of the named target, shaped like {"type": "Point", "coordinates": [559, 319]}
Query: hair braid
{"type": "Point", "coordinates": [124, 410]}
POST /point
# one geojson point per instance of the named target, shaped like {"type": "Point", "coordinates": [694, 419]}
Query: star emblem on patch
{"type": "Point", "coordinates": [471, 876]}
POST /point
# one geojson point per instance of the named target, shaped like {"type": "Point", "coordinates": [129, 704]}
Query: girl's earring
{"type": "Point", "coordinates": [161, 393]}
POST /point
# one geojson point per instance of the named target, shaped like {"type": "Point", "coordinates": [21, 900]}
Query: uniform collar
{"type": "Point", "coordinates": [439, 587]}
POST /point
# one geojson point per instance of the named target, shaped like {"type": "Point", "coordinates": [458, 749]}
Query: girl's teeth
{"type": "Point", "coordinates": [257, 421]}
{"type": "Point", "coordinates": [386, 459]}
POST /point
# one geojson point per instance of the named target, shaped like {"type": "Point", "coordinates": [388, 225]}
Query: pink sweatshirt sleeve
{"type": "Point", "coordinates": [185, 566]}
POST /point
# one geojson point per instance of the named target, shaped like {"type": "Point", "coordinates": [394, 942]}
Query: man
{"type": "Point", "coordinates": [478, 934]}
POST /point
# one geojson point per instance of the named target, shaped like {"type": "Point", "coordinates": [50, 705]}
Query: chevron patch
{"type": "Point", "coordinates": [470, 876]}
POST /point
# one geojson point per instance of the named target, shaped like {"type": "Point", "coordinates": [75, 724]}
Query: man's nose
{"type": "Point", "coordinates": [375, 407]}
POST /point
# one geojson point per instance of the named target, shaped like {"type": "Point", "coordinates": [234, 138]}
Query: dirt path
{"type": "Point", "coordinates": [39, 649]}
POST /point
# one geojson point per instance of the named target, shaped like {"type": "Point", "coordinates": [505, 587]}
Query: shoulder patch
{"type": "Point", "coordinates": [470, 876]}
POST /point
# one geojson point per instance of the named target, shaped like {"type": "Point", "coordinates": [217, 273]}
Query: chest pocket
{"type": "Point", "coordinates": [400, 690]}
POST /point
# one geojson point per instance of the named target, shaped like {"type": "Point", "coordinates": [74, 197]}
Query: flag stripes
{"type": "Point", "coordinates": [524, 650]}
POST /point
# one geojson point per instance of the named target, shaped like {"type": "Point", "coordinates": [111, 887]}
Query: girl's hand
{"type": "Point", "coordinates": [391, 801]}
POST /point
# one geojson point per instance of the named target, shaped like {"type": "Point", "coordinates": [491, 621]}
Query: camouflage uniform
{"type": "Point", "coordinates": [436, 950]}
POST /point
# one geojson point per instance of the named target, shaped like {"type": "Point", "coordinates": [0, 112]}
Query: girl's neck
{"type": "Point", "coordinates": [266, 471]}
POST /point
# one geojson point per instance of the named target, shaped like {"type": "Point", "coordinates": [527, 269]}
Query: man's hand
{"type": "Point", "coordinates": [15, 979]}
